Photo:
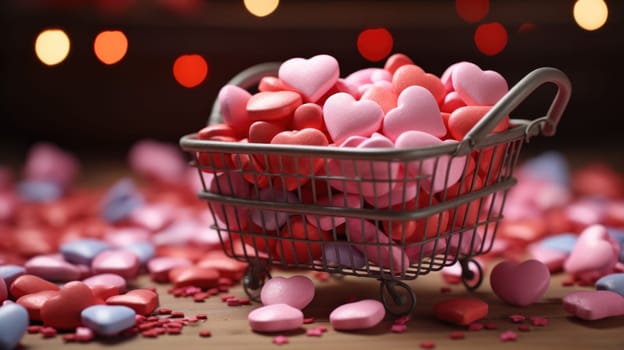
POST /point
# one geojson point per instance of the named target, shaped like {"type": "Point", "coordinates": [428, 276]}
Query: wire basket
{"type": "Point", "coordinates": [391, 214]}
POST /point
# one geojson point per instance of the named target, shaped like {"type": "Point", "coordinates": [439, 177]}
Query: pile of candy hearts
{"type": "Point", "coordinates": [395, 107]}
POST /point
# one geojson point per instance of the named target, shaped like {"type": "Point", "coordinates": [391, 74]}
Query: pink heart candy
{"type": "Point", "coordinates": [233, 106]}
{"type": "Point", "coordinates": [275, 318]}
{"type": "Point", "coordinates": [374, 176]}
{"type": "Point", "coordinates": [47, 162]}
{"type": "Point", "coordinates": [232, 184]}
{"type": "Point", "coordinates": [594, 305]}
{"type": "Point", "coordinates": [552, 258]}
{"type": "Point", "coordinates": [344, 117]}
{"type": "Point", "coordinates": [159, 267]}
{"type": "Point", "coordinates": [384, 96]}
{"type": "Point", "coordinates": [362, 77]}
{"type": "Point", "coordinates": [296, 291]}
{"type": "Point", "coordinates": [361, 314]}
{"type": "Point", "coordinates": [311, 77]}
{"type": "Point", "coordinates": [522, 284]}
{"type": "Point", "coordinates": [340, 200]}
{"type": "Point", "coordinates": [273, 105]}
{"type": "Point", "coordinates": [157, 160]}
{"type": "Point", "coordinates": [417, 110]}
{"type": "Point", "coordinates": [447, 77]}
{"type": "Point", "coordinates": [120, 262]}
{"type": "Point", "coordinates": [377, 248]}
{"type": "Point", "coordinates": [595, 252]}
{"type": "Point", "coordinates": [402, 191]}
{"type": "Point", "coordinates": [106, 280]}
{"type": "Point", "coordinates": [52, 267]}
{"type": "Point", "coordinates": [441, 173]}
{"type": "Point", "coordinates": [269, 219]}
{"type": "Point", "coordinates": [477, 87]}
{"type": "Point", "coordinates": [451, 102]}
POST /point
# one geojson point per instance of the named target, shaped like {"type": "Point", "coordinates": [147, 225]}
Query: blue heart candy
{"type": "Point", "coordinates": [14, 321]}
{"type": "Point", "coordinates": [108, 319]}
{"type": "Point", "coordinates": [613, 282]}
{"type": "Point", "coordinates": [120, 201]}
{"type": "Point", "coordinates": [82, 251]}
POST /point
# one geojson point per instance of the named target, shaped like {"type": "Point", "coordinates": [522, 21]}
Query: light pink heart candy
{"type": "Point", "coordinates": [374, 176]}
{"type": "Point", "coordinates": [416, 109]}
{"type": "Point", "coordinates": [275, 318]}
{"type": "Point", "coordinates": [552, 258]}
{"type": "Point", "coordinates": [106, 280]}
{"type": "Point", "coordinates": [124, 236]}
{"type": "Point", "coordinates": [296, 291]}
{"type": "Point", "coordinates": [152, 216]}
{"type": "Point", "coordinates": [447, 77]}
{"type": "Point", "coordinates": [363, 76]}
{"type": "Point", "coordinates": [594, 305]}
{"type": "Point", "coordinates": [441, 173]}
{"type": "Point", "coordinates": [361, 314]}
{"type": "Point", "coordinates": [233, 106]}
{"type": "Point", "coordinates": [232, 184]}
{"type": "Point", "coordinates": [377, 249]}
{"type": "Point", "coordinates": [594, 252]}
{"type": "Point", "coordinates": [120, 262]}
{"type": "Point", "coordinates": [522, 284]}
{"type": "Point", "coordinates": [311, 77]}
{"type": "Point", "coordinates": [402, 191]}
{"type": "Point", "coordinates": [344, 117]}
{"type": "Point", "coordinates": [477, 87]}
{"type": "Point", "coordinates": [52, 267]}
{"type": "Point", "coordinates": [46, 161]}
{"type": "Point", "coordinates": [157, 160]}
{"type": "Point", "coordinates": [340, 200]}
{"type": "Point", "coordinates": [159, 267]}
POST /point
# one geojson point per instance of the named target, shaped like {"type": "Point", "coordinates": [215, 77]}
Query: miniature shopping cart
{"type": "Point", "coordinates": [363, 211]}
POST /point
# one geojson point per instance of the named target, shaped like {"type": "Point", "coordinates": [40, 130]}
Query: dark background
{"type": "Point", "coordinates": [91, 108]}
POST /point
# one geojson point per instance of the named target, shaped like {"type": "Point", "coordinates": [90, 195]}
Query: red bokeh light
{"type": "Point", "coordinates": [190, 70]}
{"type": "Point", "coordinates": [472, 11]}
{"type": "Point", "coordinates": [491, 38]}
{"type": "Point", "coordinates": [375, 44]}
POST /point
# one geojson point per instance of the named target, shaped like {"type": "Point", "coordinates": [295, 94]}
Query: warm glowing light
{"type": "Point", "coordinates": [491, 38]}
{"type": "Point", "coordinates": [52, 46]}
{"type": "Point", "coordinates": [261, 8]}
{"type": "Point", "coordinates": [472, 11]}
{"type": "Point", "coordinates": [375, 44]}
{"type": "Point", "coordinates": [110, 46]}
{"type": "Point", "coordinates": [190, 70]}
{"type": "Point", "coordinates": [590, 14]}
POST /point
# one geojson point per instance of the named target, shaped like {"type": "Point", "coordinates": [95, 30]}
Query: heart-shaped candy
{"type": "Point", "coordinates": [462, 311]}
{"type": "Point", "coordinates": [384, 96]}
{"type": "Point", "coordinates": [120, 262]}
{"type": "Point", "coordinates": [107, 319]}
{"type": "Point", "coordinates": [142, 301]}
{"type": "Point", "coordinates": [594, 305]}
{"type": "Point", "coordinates": [340, 200]}
{"type": "Point", "coordinates": [344, 117]}
{"type": "Point", "coordinates": [273, 105]}
{"type": "Point", "coordinates": [451, 102]}
{"type": "Point", "coordinates": [463, 119]}
{"type": "Point", "coordinates": [82, 251]}
{"type": "Point", "coordinates": [361, 314]}
{"type": "Point", "coordinates": [296, 291]}
{"type": "Point", "coordinates": [10, 273]}
{"type": "Point", "coordinates": [311, 77]}
{"type": "Point", "coordinates": [395, 61]}
{"type": "Point", "coordinates": [522, 284]}
{"type": "Point", "coordinates": [416, 110]}
{"type": "Point", "coordinates": [301, 243]}
{"type": "Point", "coordinates": [4, 292]}
{"type": "Point", "coordinates": [271, 83]}
{"type": "Point", "coordinates": [595, 252]}
{"type": "Point", "coordinates": [201, 277]}
{"type": "Point", "coordinates": [34, 301]}
{"type": "Point", "coordinates": [613, 282]}
{"type": "Point", "coordinates": [233, 106]}
{"type": "Point", "coordinates": [412, 75]}
{"type": "Point", "coordinates": [14, 321]}
{"type": "Point", "coordinates": [52, 267]}
{"type": "Point", "coordinates": [63, 310]}
{"type": "Point", "coordinates": [231, 184]}
{"type": "Point", "coordinates": [340, 254]}
{"type": "Point", "coordinates": [227, 266]}
{"type": "Point", "coordinates": [308, 115]}
{"type": "Point", "coordinates": [159, 267]}
{"type": "Point", "coordinates": [27, 284]}
{"type": "Point", "coordinates": [270, 219]}
{"type": "Point", "coordinates": [477, 87]}
{"type": "Point", "coordinates": [275, 318]}
{"type": "Point", "coordinates": [377, 248]}
{"type": "Point", "coordinates": [420, 229]}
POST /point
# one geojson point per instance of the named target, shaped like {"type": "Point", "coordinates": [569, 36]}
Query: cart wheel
{"type": "Point", "coordinates": [397, 303]}
{"type": "Point", "coordinates": [253, 281]}
{"type": "Point", "coordinates": [469, 278]}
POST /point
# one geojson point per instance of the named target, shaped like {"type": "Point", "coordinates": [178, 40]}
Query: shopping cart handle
{"type": "Point", "coordinates": [246, 79]}
{"type": "Point", "coordinates": [515, 97]}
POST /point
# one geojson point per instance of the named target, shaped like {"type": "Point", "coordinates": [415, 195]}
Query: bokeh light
{"type": "Point", "coordinates": [472, 11]}
{"type": "Point", "coordinates": [190, 70]}
{"type": "Point", "coordinates": [261, 8]}
{"type": "Point", "coordinates": [375, 44]}
{"type": "Point", "coordinates": [110, 46]}
{"type": "Point", "coordinates": [590, 14]}
{"type": "Point", "coordinates": [491, 38]}
{"type": "Point", "coordinates": [52, 46]}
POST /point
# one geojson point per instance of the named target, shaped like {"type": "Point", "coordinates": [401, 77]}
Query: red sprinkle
{"type": "Point", "coordinates": [174, 331]}
{"type": "Point", "coordinates": [69, 338]}
{"type": "Point", "coordinates": [164, 311]}
{"type": "Point", "coordinates": [427, 344]}
{"type": "Point", "coordinates": [445, 290]}
{"type": "Point", "coordinates": [398, 328]}
{"type": "Point", "coordinates": [508, 336]}
{"type": "Point", "coordinates": [308, 320]}
{"type": "Point", "coordinates": [223, 289]}
{"type": "Point", "coordinates": [33, 329]}
{"type": "Point", "coordinates": [538, 321]}
{"type": "Point", "coordinates": [226, 297]}
{"type": "Point", "coordinates": [48, 332]}
{"type": "Point", "coordinates": [244, 301]}
{"type": "Point", "coordinates": [152, 319]}
{"type": "Point", "coordinates": [314, 332]}
{"type": "Point", "coordinates": [475, 326]}
{"type": "Point", "coordinates": [202, 316]}
{"type": "Point", "coordinates": [567, 282]}
{"type": "Point", "coordinates": [524, 328]}
{"type": "Point", "coordinates": [139, 318]}
{"type": "Point", "coordinates": [457, 335]}
{"type": "Point", "coordinates": [177, 314]}
{"type": "Point", "coordinates": [517, 318]}
{"type": "Point", "coordinates": [280, 340]}
{"type": "Point", "coordinates": [321, 276]}
{"type": "Point", "coordinates": [192, 319]}
{"type": "Point", "coordinates": [402, 320]}
{"type": "Point", "coordinates": [205, 334]}
{"type": "Point", "coordinates": [233, 302]}
{"type": "Point", "coordinates": [149, 334]}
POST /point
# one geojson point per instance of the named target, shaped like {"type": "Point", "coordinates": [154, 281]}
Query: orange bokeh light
{"type": "Point", "coordinates": [190, 70]}
{"type": "Point", "coordinates": [375, 44]}
{"type": "Point", "coordinates": [472, 11]}
{"type": "Point", "coordinates": [110, 46]}
{"type": "Point", "coordinates": [491, 38]}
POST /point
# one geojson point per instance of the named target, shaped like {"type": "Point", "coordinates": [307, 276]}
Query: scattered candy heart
{"type": "Point", "coordinates": [14, 320]}
{"type": "Point", "coordinates": [361, 314]}
{"type": "Point", "coordinates": [461, 311]}
{"type": "Point", "coordinates": [275, 318]}
{"type": "Point", "coordinates": [296, 291]}
{"type": "Point", "coordinates": [142, 301]}
{"type": "Point", "coordinates": [108, 319]}
{"type": "Point", "coordinates": [594, 305]}
{"type": "Point", "coordinates": [62, 311]}
{"type": "Point", "coordinates": [613, 282]}
{"type": "Point", "coordinates": [522, 284]}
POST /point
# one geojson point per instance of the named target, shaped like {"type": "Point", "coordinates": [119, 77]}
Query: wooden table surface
{"type": "Point", "coordinates": [230, 329]}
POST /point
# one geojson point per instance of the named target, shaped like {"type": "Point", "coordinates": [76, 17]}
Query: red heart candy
{"type": "Point", "coordinates": [263, 131]}
{"type": "Point", "coordinates": [306, 245]}
{"type": "Point", "coordinates": [142, 301]}
{"type": "Point", "coordinates": [34, 301]}
{"type": "Point", "coordinates": [200, 277]}
{"type": "Point", "coordinates": [308, 115]}
{"type": "Point", "coordinates": [463, 119]}
{"type": "Point", "coordinates": [417, 230]}
{"type": "Point", "coordinates": [218, 132]}
{"type": "Point", "coordinates": [461, 311]}
{"type": "Point", "coordinates": [271, 83]}
{"type": "Point", "coordinates": [227, 267]}
{"type": "Point", "coordinates": [27, 284]}
{"type": "Point", "coordinates": [296, 170]}
{"type": "Point", "coordinates": [408, 75]}
{"type": "Point", "coordinates": [385, 98]}
{"type": "Point", "coordinates": [396, 61]}
{"type": "Point", "coordinates": [273, 105]}
{"type": "Point", "coordinates": [471, 182]}
{"type": "Point", "coordinates": [63, 310]}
